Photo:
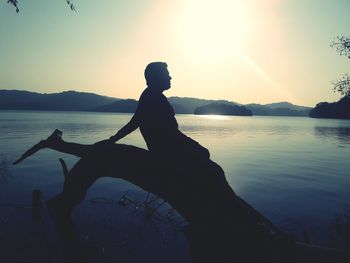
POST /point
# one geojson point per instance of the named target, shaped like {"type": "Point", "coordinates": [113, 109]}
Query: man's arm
{"type": "Point", "coordinates": [132, 125]}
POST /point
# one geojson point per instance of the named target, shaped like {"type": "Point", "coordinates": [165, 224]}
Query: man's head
{"type": "Point", "coordinates": [157, 76]}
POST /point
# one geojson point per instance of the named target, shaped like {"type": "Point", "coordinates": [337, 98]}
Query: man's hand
{"type": "Point", "coordinates": [114, 138]}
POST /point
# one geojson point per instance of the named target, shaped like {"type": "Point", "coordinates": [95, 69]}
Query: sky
{"type": "Point", "coordinates": [247, 51]}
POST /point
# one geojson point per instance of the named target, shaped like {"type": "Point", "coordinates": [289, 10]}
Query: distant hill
{"type": "Point", "coordinates": [222, 109]}
{"type": "Point", "coordinates": [64, 101]}
{"type": "Point", "coordinates": [17, 99]}
{"type": "Point", "coordinates": [279, 109]}
{"type": "Point", "coordinates": [335, 110]}
{"type": "Point", "coordinates": [126, 106]}
{"type": "Point", "coordinates": [188, 105]}
{"type": "Point", "coordinates": [82, 101]}
{"type": "Point", "coordinates": [286, 105]}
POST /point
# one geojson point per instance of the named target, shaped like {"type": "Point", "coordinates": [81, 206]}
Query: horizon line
{"type": "Point", "coordinates": [71, 90]}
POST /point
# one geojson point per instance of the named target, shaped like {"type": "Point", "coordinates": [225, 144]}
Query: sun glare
{"type": "Point", "coordinates": [213, 29]}
{"type": "Point", "coordinates": [214, 117]}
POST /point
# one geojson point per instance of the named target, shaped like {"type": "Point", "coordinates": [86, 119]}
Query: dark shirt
{"type": "Point", "coordinates": [156, 119]}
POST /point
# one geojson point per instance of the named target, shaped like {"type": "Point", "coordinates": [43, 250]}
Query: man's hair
{"type": "Point", "coordinates": [153, 71]}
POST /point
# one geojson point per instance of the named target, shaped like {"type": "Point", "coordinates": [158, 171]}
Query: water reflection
{"type": "Point", "coordinates": [342, 134]}
{"type": "Point", "coordinates": [227, 131]}
{"type": "Point", "coordinates": [340, 229]}
{"type": "Point", "coordinates": [208, 131]}
{"type": "Point", "coordinates": [4, 169]}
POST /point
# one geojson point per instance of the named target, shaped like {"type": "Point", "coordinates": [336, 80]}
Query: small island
{"type": "Point", "coordinates": [223, 109]}
{"type": "Point", "coordinates": [334, 110]}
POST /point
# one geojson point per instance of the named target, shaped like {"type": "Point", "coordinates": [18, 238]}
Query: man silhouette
{"type": "Point", "coordinates": [156, 119]}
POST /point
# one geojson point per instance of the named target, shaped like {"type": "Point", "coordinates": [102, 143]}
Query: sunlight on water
{"type": "Point", "coordinates": [214, 117]}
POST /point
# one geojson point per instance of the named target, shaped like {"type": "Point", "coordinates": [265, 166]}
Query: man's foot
{"type": "Point", "coordinates": [52, 139]}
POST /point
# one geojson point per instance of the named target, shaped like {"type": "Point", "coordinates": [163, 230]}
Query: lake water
{"type": "Point", "coordinates": [294, 170]}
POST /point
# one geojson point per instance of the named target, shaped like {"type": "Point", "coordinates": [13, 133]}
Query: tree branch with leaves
{"type": "Point", "coordinates": [342, 85]}
{"type": "Point", "coordinates": [15, 4]}
{"type": "Point", "coordinates": [342, 46]}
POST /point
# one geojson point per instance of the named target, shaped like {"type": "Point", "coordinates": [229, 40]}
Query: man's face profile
{"type": "Point", "coordinates": [157, 76]}
{"type": "Point", "coordinates": [165, 79]}
{"type": "Point", "coordinates": [161, 80]}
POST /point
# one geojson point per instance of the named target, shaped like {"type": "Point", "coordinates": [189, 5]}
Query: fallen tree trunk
{"type": "Point", "coordinates": [222, 227]}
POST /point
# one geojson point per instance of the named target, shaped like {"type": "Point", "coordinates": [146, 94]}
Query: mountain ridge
{"type": "Point", "coordinates": [84, 101]}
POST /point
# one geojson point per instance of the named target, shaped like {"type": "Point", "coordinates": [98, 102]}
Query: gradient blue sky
{"type": "Point", "coordinates": [240, 50]}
